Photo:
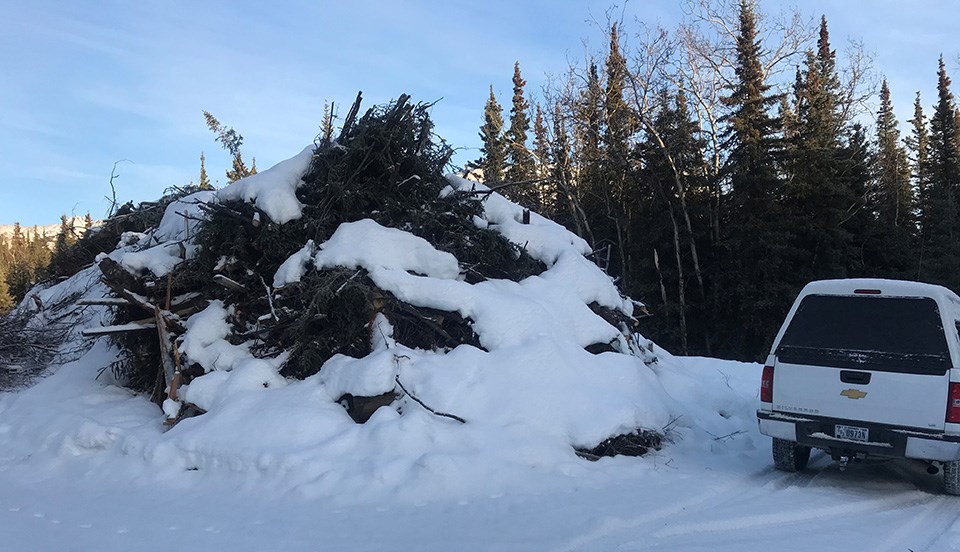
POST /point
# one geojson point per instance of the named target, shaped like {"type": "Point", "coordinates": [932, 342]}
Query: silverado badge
{"type": "Point", "coordinates": [853, 393]}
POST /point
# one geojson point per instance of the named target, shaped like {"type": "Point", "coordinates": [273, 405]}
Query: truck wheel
{"type": "Point", "coordinates": [951, 477]}
{"type": "Point", "coordinates": [791, 457]}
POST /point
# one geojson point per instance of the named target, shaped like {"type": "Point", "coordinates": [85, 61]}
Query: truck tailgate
{"type": "Point", "coordinates": [896, 398]}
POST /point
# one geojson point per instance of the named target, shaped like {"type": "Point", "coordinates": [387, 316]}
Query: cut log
{"type": "Point", "coordinates": [106, 302]}
{"type": "Point", "coordinates": [177, 374]}
{"type": "Point", "coordinates": [166, 360]}
{"type": "Point", "coordinates": [186, 303]}
{"type": "Point", "coordinates": [120, 328]}
{"type": "Point", "coordinates": [179, 300]}
{"type": "Point", "coordinates": [228, 283]}
{"type": "Point", "coordinates": [116, 275]}
{"type": "Point", "coordinates": [362, 408]}
{"type": "Point", "coordinates": [187, 410]}
{"type": "Point", "coordinates": [131, 297]}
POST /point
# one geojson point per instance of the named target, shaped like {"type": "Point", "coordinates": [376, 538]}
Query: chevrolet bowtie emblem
{"type": "Point", "coordinates": [853, 393]}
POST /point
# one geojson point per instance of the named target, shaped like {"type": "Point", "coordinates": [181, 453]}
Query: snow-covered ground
{"type": "Point", "coordinates": [712, 488]}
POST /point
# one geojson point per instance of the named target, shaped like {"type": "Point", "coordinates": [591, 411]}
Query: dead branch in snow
{"type": "Point", "coordinates": [396, 359]}
{"type": "Point", "coordinates": [273, 311]}
{"type": "Point", "coordinates": [421, 403]}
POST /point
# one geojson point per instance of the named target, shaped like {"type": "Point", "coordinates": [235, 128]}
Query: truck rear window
{"type": "Point", "coordinates": [899, 334]}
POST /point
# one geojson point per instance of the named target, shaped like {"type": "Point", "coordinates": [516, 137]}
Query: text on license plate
{"type": "Point", "coordinates": [852, 433]}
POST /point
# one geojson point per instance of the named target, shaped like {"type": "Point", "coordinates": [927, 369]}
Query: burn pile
{"type": "Point", "coordinates": [357, 264]}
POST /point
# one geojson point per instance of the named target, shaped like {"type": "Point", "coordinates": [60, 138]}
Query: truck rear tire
{"type": "Point", "coordinates": [951, 477]}
{"type": "Point", "coordinates": [791, 457]}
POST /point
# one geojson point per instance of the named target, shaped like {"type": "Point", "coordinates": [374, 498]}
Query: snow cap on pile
{"type": "Point", "coordinates": [273, 191]}
{"type": "Point", "coordinates": [164, 248]}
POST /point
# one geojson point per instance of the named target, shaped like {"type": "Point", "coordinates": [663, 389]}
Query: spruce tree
{"type": "Point", "coordinates": [326, 127]}
{"type": "Point", "coordinates": [231, 140]}
{"type": "Point", "coordinates": [830, 81]}
{"type": "Point", "coordinates": [38, 255]}
{"type": "Point", "coordinates": [19, 274]}
{"type": "Point", "coordinates": [18, 241]}
{"type": "Point", "coordinates": [520, 166]}
{"type": "Point", "coordinates": [560, 155]}
{"type": "Point", "coordinates": [587, 160]}
{"type": "Point", "coordinates": [491, 133]}
{"type": "Point", "coordinates": [617, 115]}
{"type": "Point", "coordinates": [751, 302]}
{"type": "Point", "coordinates": [788, 121]}
{"type": "Point", "coordinates": [589, 118]}
{"type": "Point", "coordinates": [615, 184]}
{"type": "Point", "coordinates": [941, 223]}
{"type": "Point", "coordinates": [541, 144]}
{"type": "Point", "coordinates": [238, 169]}
{"type": "Point", "coordinates": [66, 237]}
{"type": "Point", "coordinates": [891, 163]}
{"type": "Point", "coordinates": [894, 201]}
{"type": "Point", "coordinates": [918, 147]}
{"type": "Point", "coordinates": [818, 196]}
{"type": "Point", "coordinates": [6, 300]}
{"type": "Point", "coordinates": [6, 258]}
{"type": "Point", "coordinates": [750, 128]}
{"type": "Point", "coordinates": [541, 152]}
{"type": "Point", "coordinates": [204, 183]}
{"type": "Point", "coordinates": [870, 252]}
{"type": "Point", "coordinates": [566, 207]}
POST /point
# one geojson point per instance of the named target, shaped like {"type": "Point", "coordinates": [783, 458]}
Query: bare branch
{"type": "Point", "coordinates": [113, 189]}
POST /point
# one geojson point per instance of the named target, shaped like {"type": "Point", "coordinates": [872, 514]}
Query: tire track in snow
{"type": "Point", "coordinates": [926, 527]}
{"type": "Point", "coordinates": [781, 518]}
{"type": "Point", "coordinates": [613, 525]}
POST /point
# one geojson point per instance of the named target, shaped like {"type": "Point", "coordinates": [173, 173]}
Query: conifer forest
{"type": "Point", "coordinates": [719, 166]}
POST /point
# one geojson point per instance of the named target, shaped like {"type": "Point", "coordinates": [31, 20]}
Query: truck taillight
{"type": "Point", "coordinates": [953, 404]}
{"type": "Point", "coordinates": [766, 387]}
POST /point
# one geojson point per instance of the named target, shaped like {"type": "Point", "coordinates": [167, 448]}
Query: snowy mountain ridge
{"type": "Point", "coordinates": [49, 231]}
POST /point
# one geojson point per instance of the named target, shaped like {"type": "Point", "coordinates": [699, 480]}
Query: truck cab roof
{"type": "Point", "coordinates": [888, 288]}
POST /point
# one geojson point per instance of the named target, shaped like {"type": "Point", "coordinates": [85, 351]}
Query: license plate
{"type": "Point", "coordinates": [852, 433]}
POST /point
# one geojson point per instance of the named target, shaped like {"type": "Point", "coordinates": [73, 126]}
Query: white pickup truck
{"type": "Point", "coordinates": [866, 368]}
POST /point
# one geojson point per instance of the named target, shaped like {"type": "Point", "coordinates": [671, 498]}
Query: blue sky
{"type": "Point", "coordinates": [86, 84]}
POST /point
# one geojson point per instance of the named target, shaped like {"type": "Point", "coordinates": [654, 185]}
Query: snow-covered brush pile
{"type": "Point", "coordinates": [353, 303]}
{"type": "Point", "coordinates": [383, 173]}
